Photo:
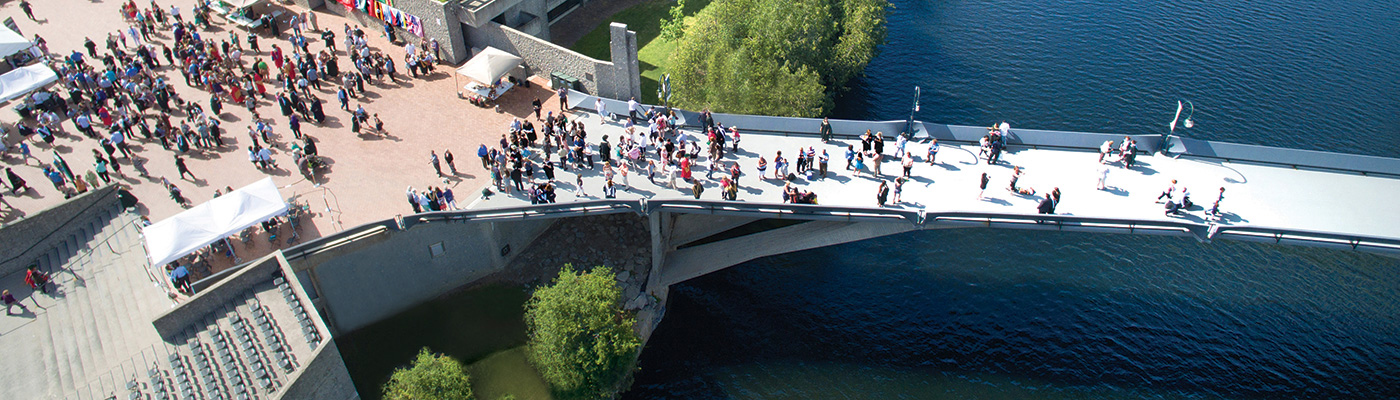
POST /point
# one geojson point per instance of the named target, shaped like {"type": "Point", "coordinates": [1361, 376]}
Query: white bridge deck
{"type": "Point", "coordinates": [1269, 196]}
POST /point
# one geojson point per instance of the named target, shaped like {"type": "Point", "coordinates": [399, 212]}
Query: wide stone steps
{"type": "Point", "coordinates": [96, 336]}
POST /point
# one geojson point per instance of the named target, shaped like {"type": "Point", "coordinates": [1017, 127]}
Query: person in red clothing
{"type": "Point", "coordinates": [36, 279]}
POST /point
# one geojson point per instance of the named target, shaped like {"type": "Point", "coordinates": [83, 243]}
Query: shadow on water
{"type": "Point", "coordinates": [1126, 317]}
{"type": "Point", "coordinates": [468, 325]}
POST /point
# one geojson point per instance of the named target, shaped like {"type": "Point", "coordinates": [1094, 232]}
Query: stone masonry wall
{"type": "Point", "coordinates": [35, 234]}
{"type": "Point", "coordinates": [437, 24]}
{"type": "Point", "coordinates": [543, 58]}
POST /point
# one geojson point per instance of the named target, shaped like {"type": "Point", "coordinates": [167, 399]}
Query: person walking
{"type": "Point", "coordinates": [16, 183]}
{"type": "Point", "coordinates": [413, 200]}
{"type": "Point", "coordinates": [983, 187]}
{"type": "Point", "coordinates": [9, 299]}
{"type": "Point", "coordinates": [882, 193]}
{"type": "Point", "coordinates": [825, 130]}
{"type": "Point", "coordinates": [908, 163]}
{"type": "Point", "coordinates": [294, 123]}
{"type": "Point", "coordinates": [437, 166]}
{"type": "Point", "coordinates": [1167, 193]}
{"type": "Point", "coordinates": [180, 165]}
{"type": "Point", "coordinates": [447, 156]}
{"type": "Point", "coordinates": [101, 168]}
{"type": "Point", "coordinates": [28, 11]}
{"type": "Point", "coordinates": [1103, 177]}
{"type": "Point", "coordinates": [899, 188]}
{"type": "Point", "coordinates": [536, 105]}
{"type": "Point", "coordinates": [632, 109]}
{"type": "Point", "coordinates": [932, 151]}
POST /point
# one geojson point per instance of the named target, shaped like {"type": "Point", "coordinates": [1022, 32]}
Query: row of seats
{"type": "Point", "coordinates": [236, 361]}
{"type": "Point", "coordinates": [308, 326]}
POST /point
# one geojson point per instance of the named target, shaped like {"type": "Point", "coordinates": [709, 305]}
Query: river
{"type": "Point", "coordinates": [975, 313]}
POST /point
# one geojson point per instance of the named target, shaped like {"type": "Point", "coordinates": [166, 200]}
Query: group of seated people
{"type": "Point", "coordinates": [793, 195]}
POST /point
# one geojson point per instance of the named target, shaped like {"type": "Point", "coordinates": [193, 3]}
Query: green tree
{"type": "Point", "coordinates": [774, 57]}
{"type": "Point", "coordinates": [432, 376]}
{"type": "Point", "coordinates": [581, 340]}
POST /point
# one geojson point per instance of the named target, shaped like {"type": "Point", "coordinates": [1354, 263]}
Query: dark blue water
{"type": "Point", "coordinates": [1009, 314]}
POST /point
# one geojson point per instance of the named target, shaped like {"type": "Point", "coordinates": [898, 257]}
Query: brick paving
{"type": "Point", "coordinates": [366, 176]}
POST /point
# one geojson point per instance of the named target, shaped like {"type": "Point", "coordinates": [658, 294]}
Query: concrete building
{"type": "Point", "coordinates": [521, 27]}
{"type": "Point", "coordinates": [107, 327]}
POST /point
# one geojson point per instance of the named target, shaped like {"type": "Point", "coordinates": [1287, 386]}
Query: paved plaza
{"type": "Point", "coordinates": [366, 175]}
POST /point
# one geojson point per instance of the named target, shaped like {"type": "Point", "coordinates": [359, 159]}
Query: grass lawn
{"type": "Point", "coordinates": [653, 52]}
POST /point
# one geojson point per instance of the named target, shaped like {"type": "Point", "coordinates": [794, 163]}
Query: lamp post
{"type": "Point", "coordinates": [1188, 123]}
{"type": "Point", "coordinates": [663, 93]}
{"type": "Point", "coordinates": [909, 125]}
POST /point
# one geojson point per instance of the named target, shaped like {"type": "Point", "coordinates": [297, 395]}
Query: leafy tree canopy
{"type": "Point", "coordinates": [432, 376]}
{"type": "Point", "coordinates": [773, 57]}
{"type": "Point", "coordinates": [581, 340]}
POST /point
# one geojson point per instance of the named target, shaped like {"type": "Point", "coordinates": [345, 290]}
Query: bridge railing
{"type": "Point", "coordinates": [534, 211]}
{"type": "Point", "coordinates": [785, 211]}
{"type": "Point", "coordinates": [1306, 237]}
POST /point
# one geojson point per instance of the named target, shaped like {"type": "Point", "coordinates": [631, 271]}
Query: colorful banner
{"type": "Point", "coordinates": [384, 10]}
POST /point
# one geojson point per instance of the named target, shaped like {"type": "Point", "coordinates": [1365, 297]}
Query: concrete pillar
{"type": "Point", "coordinates": [627, 68]}
{"type": "Point", "coordinates": [448, 32]}
{"type": "Point", "coordinates": [657, 226]}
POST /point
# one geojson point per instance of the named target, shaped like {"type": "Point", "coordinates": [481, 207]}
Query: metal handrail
{"type": "Point", "coordinates": [1281, 234]}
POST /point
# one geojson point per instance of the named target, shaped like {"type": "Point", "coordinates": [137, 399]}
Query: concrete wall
{"type": "Point", "coordinates": [323, 377]}
{"type": "Point", "coordinates": [542, 58]}
{"type": "Point", "coordinates": [398, 271]}
{"type": "Point", "coordinates": [437, 24]}
{"type": "Point", "coordinates": [24, 240]}
{"type": "Point", "coordinates": [172, 322]}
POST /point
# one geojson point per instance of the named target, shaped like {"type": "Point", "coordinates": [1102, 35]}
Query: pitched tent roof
{"type": "Point", "coordinates": [182, 234]}
{"type": "Point", "coordinates": [241, 3]}
{"type": "Point", "coordinates": [23, 80]}
{"type": "Point", "coordinates": [489, 65]}
{"type": "Point", "coordinates": [11, 42]}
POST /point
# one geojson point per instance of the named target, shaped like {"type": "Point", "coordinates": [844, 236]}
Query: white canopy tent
{"type": "Point", "coordinates": [177, 236]}
{"type": "Point", "coordinates": [237, 4]}
{"type": "Point", "coordinates": [489, 65]}
{"type": "Point", "coordinates": [23, 80]}
{"type": "Point", "coordinates": [11, 42]}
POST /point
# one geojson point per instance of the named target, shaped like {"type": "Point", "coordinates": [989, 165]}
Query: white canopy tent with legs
{"type": "Point", "coordinates": [201, 225]}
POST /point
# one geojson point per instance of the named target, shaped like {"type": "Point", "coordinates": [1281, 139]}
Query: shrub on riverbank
{"type": "Point", "coordinates": [581, 340]}
{"type": "Point", "coordinates": [773, 57]}
{"type": "Point", "coordinates": [432, 376]}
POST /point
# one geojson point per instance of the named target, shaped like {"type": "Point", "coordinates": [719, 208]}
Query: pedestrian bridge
{"type": "Point", "coordinates": [1273, 195]}
{"type": "Point", "coordinates": [1281, 196]}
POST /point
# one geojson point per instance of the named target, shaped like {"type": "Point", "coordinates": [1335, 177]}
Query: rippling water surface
{"type": "Point", "coordinates": [1011, 314]}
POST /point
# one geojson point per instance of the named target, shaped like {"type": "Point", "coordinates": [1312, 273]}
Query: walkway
{"type": "Point", "coordinates": [1256, 195]}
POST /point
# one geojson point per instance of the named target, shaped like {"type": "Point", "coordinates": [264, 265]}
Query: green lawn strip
{"type": "Point", "coordinates": [654, 52]}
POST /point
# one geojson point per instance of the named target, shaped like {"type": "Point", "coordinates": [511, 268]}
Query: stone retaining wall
{"type": "Point", "coordinates": [23, 240]}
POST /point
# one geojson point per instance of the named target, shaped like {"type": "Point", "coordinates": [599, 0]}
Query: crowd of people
{"type": "Point", "coordinates": [120, 90]}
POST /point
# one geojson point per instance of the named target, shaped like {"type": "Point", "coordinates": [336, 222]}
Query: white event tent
{"type": "Point", "coordinates": [12, 42]}
{"type": "Point", "coordinates": [23, 80]}
{"type": "Point", "coordinates": [489, 65]}
{"type": "Point", "coordinates": [182, 234]}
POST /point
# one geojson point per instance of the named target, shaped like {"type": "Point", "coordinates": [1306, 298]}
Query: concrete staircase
{"type": "Point", "coordinates": [94, 323]}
